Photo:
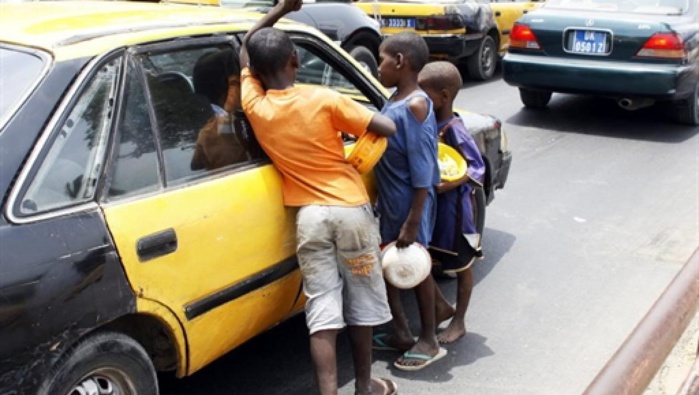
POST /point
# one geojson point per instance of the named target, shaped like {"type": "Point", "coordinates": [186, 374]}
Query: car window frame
{"type": "Point", "coordinates": [47, 137]}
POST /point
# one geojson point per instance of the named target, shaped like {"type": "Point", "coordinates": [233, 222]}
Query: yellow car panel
{"type": "Point", "coordinates": [228, 230]}
{"type": "Point", "coordinates": [380, 10]}
{"type": "Point", "coordinates": [71, 30]}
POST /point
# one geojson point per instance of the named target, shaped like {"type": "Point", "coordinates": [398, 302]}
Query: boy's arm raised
{"type": "Point", "coordinates": [268, 20]}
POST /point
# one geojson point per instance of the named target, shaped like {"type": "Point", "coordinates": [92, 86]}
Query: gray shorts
{"type": "Point", "coordinates": [338, 252]}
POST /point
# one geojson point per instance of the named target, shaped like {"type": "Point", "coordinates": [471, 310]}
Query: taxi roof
{"type": "Point", "coordinates": [71, 29]}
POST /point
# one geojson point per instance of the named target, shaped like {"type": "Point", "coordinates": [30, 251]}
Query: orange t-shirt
{"type": "Point", "coordinates": [299, 128]}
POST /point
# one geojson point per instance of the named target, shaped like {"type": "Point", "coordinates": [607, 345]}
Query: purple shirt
{"type": "Point", "coordinates": [455, 208]}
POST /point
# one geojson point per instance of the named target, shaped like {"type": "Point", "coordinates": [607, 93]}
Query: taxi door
{"type": "Point", "coordinates": [211, 243]}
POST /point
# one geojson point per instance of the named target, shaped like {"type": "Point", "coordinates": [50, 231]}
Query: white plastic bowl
{"type": "Point", "coordinates": [407, 267]}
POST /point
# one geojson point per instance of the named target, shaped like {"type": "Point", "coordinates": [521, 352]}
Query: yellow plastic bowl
{"type": "Point", "coordinates": [452, 165]}
{"type": "Point", "coordinates": [367, 151]}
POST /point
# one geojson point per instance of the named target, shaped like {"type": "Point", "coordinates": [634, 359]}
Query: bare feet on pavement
{"type": "Point", "coordinates": [454, 331]}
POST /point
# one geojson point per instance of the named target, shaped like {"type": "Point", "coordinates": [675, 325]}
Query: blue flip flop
{"type": "Point", "coordinates": [379, 344]}
{"type": "Point", "coordinates": [424, 357]}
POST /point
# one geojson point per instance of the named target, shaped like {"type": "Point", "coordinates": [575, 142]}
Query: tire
{"type": "Point", "coordinates": [481, 65]}
{"type": "Point", "coordinates": [533, 98]}
{"type": "Point", "coordinates": [104, 363]}
{"type": "Point", "coordinates": [688, 113]}
{"type": "Point", "coordinates": [366, 59]}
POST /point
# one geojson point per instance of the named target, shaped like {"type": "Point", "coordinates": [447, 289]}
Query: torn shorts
{"type": "Point", "coordinates": [338, 253]}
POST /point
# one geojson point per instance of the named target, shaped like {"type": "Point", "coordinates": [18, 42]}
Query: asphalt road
{"type": "Point", "coordinates": [600, 211]}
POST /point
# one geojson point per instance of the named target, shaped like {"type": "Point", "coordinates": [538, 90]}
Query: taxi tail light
{"type": "Point", "coordinates": [440, 22]}
{"type": "Point", "coordinates": [663, 45]}
{"type": "Point", "coordinates": [522, 37]}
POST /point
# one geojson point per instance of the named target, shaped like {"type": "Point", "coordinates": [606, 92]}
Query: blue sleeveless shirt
{"type": "Point", "coordinates": [410, 162]}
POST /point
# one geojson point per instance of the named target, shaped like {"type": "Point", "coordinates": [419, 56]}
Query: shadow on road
{"type": "Point", "coordinates": [603, 117]}
{"type": "Point", "coordinates": [278, 361]}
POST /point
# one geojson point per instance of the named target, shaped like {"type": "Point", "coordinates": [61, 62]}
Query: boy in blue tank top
{"type": "Point", "coordinates": [406, 176]}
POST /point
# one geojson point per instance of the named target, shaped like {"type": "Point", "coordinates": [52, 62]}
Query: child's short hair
{"type": "Point", "coordinates": [441, 75]}
{"type": "Point", "coordinates": [411, 45]}
{"type": "Point", "coordinates": [210, 74]}
{"type": "Point", "coordinates": [269, 49]}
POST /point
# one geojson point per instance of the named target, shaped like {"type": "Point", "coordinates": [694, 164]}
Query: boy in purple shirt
{"type": "Point", "coordinates": [455, 240]}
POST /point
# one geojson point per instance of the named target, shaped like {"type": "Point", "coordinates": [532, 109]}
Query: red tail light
{"type": "Point", "coordinates": [663, 45]}
{"type": "Point", "coordinates": [522, 37]}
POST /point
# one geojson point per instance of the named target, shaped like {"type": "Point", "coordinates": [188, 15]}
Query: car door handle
{"type": "Point", "coordinates": [156, 244]}
{"type": "Point", "coordinates": [525, 11]}
{"type": "Point", "coordinates": [498, 13]}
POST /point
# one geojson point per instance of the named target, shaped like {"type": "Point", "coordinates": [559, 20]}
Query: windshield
{"type": "Point", "coordinates": [19, 72]}
{"type": "Point", "coordinates": [658, 7]}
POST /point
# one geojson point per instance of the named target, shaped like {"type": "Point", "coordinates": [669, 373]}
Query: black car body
{"type": "Point", "coordinates": [348, 26]}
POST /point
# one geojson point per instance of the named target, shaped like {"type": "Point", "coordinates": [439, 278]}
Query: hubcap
{"type": "Point", "coordinates": [487, 58]}
{"type": "Point", "coordinates": [104, 381]}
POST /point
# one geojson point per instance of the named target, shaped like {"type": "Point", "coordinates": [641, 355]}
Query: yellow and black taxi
{"type": "Point", "coordinates": [469, 31]}
{"type": "Point", "coordinates": [457, 30]}
{"type": "Point", "coordinates": [637, 53]}
{"type": "Point", "coordinates": [142, 228]}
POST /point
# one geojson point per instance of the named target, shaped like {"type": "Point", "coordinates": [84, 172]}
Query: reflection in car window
{"type": "Point", "coordinates": [136, 163]}
{"type": "Point", "coordinates": [70, 171]}
{"type": "Point", "coordinates": [195, 94]}
{"type": "Point", "coordinates": [19, 71]}
{"type": "Point", "coordinates": [314, 70]}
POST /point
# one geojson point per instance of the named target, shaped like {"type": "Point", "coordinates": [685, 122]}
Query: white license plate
{"type": "Point", "coordinates": [398, 22]}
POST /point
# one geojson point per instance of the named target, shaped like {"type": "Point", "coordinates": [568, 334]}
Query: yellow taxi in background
{"type": "Point", "coordinates": [472, 32]}
{"type": "Point", "coordinates": [142, 227]}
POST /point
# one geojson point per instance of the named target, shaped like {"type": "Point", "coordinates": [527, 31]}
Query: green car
{"type": "Point", "coordinates": [638, 52]}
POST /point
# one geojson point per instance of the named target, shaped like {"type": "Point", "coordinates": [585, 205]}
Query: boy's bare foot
{"type": "Point", "coordinates": [383, 386]}
{"type": "Point", "coordinates": [454, 332]}
{"type": "Point", "coordinates": [443, 312]}
{"type": "Point", "coordinates": [391, 342]}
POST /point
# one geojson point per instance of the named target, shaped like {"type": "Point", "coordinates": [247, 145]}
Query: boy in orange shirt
{"type": "Point", "coordinates": [337, 233]}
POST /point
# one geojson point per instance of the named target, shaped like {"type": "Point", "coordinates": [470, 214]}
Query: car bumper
{"type": "Point", "coordinates": [451, 46]}
{"type": "Point", "coordinates": [662, 82]}
{"type": "Point", "coordinates": [501, 177]}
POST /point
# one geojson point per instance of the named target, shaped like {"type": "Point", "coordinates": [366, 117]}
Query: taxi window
{"type": "Point", "coordinates": [74, 162]}
{"type": "Point", "coordinates": [136, 167]}
{"type": "Point", "coordinates": [19, 71]}
{"type": "Point", "coordinates": [315, 70]}
{"type": "Point", "coordinates": [195, 98]}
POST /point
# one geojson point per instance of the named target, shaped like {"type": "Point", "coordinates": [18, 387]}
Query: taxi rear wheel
{"type": "Point", "coordinates": [533, 98]}
{"type": "Point", "coordinates": [481, 65]}
{"type": "Point", "coordinates": [688, 113]}
{"type": "Point", "coordinates": [106, 363]}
